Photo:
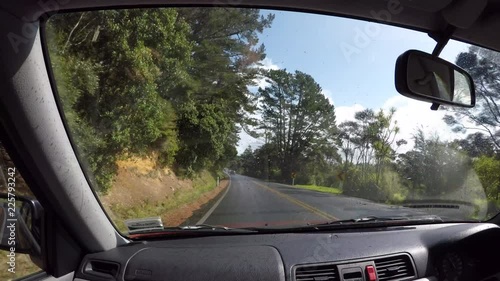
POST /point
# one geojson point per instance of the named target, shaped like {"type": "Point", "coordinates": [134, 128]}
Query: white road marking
{"type": "Point", "coordinates": [205, 217]}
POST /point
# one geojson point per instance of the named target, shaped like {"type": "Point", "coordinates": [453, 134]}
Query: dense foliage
{"type": "Point", "coordinates": [165, 82]}
{"type": "Point", "coordinates": [482, 123]}
{"type": "Point", "coordinates": [298, 121]}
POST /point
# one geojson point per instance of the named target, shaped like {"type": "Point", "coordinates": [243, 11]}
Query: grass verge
{"type": "Point", "coordinates": [326, 189]}
{"type": "Point", "coordinates": [202, 184]}
{"type": "Point", "coordinates": [24, 266]}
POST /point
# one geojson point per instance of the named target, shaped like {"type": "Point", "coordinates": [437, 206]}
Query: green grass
{"type": "Point", "coordinates": [24, 266]}
{"type": "Point", "coordinates": [326, 189]}
{"type": "Point", "coordinates": [203, 183]}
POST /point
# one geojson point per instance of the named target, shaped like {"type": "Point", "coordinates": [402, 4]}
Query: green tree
{"type": "Point", "coordinates": [166, 82]}
{"type": "Point", "coordinates": [484, 66]}
{"type": "Point", "coordinates": [476, 145]}
{"type": "Point", "coordinates": [386, 130]}
{"type": "Point", "coordinates": [433, 167]}
{"type": "Point", "coordinates": [319, 166]}
{"type": "Point", "coordinates": [111, 67]}
{"type": "Point", "coordinates": [215, 103]}
{"type": "Point", "coordinates": [349, 142]}
{"type": "Point", "coordinates": [206, 132]}
{"type": "Point", "coordinates": [297, 117]}
{"type": "Point", "coordinates": [487, 168]}
{"type": "Point", "coordinates": [248, 163]}
{"type": "Point", "coordinates": [368, 144]}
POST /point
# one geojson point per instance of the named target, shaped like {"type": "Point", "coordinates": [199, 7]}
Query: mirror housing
{"type": "Point", "coordinates": [21, 225]}
{"type": "Point", "coordinates": [425, 77]}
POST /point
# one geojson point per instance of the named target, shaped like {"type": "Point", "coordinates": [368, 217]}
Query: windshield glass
{"type": "Point", "coordinates": [258, 118]}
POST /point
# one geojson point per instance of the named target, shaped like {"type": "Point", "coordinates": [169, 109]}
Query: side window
{"type": "Point", "coordinates": [19, 244]}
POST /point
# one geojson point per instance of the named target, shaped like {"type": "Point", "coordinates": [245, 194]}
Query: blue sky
{"type": "Point", "coordinates": [353, 61]}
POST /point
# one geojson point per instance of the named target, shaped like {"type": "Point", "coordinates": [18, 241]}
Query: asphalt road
{"type": "Point", "coordinates": [249, 202]}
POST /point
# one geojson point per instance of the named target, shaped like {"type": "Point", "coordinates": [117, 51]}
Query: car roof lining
{"type": "Point", "coordinates": [431, 16]}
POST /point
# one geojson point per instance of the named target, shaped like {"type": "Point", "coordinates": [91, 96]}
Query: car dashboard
{"type": "Point", "coordinates": [424, 252]}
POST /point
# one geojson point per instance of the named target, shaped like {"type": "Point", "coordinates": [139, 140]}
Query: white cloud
{"type": "Point", "coordinates": [329, 95]}
{"type": "Point", "coordinates": [452, 49]}
{"type": "Point", "coordinates": [268, 64]}
{"type": "Point", "coordinates": [346, 113]}
{"type": "Point", "coordinates": [412, 114]}
{"type": "Point", "coordinates": [246, 140]}
{"type": "Point", "coordinates": [260, 81]}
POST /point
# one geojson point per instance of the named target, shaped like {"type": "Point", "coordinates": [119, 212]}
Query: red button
{"type": "Point", "coordinates": [370, 273]}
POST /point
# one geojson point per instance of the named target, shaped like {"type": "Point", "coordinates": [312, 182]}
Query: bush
{"type": "Point", "coordinates": [363, 184]}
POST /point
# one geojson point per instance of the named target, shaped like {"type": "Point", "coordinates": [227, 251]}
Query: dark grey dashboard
{"type": "Point", "coordinates": [395, 253]}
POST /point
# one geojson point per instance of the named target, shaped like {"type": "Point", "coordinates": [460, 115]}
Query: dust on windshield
{"type": "Point", "coordinates": [256, 118]}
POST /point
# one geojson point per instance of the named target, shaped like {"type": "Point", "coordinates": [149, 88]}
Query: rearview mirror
{"type": "Point", "coordinates": [428, 78]}
{"type": "Point", "coordinates": [20, 224]}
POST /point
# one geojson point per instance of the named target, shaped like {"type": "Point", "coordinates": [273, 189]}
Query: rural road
{"type": "Point", "coordinates": [249, 202]}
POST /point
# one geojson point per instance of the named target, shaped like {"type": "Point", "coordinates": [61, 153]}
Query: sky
{"type": "Point", "coordinates": [353, 61]}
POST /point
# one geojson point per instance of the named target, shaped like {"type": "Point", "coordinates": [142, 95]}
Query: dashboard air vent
{"type": "Point", "coordinates": [394, 268]}
{"type": "Point", "coordinates": [326, 272]}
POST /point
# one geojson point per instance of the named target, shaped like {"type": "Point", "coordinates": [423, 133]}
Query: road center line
{"type": "Point", "coordinates": [299, 203]}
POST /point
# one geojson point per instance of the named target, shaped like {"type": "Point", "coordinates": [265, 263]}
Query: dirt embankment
{"type": "Point", "coordinates": [143, 190]}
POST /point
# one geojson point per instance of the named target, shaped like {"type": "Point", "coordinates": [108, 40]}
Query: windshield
{"type": "Point", "coordinates": [256, 118]}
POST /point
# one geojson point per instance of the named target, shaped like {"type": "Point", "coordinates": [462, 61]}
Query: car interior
{"type": "Point", "coordinates": [76, 239]}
